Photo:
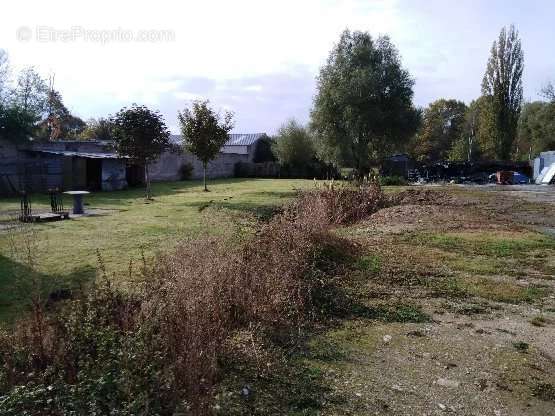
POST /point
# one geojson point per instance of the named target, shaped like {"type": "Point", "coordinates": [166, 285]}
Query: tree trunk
{"type": "Point", "coordinates": [147, 183]}
{"type": "Point", "coordinates": [204, 176]}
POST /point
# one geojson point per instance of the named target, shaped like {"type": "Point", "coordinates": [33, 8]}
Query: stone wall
{"type": "Point", "coordinates": [168, 167]}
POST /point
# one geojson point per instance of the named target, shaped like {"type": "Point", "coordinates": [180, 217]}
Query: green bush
{"type": "Point", "coordinates": [392, 181]}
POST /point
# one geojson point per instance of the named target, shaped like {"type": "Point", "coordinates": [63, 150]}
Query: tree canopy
{"type": "Point", "coordinates": [97, 129]}
{"type": "Point", "coordinates": [443, 123]}
{"type": "Point", "coordinates": [363, 106]}
{"type": "Point", "coordinates": [293, 145]}
{"type": "Point", "coordinates": [536, 129]}
{"type": "Point", "coordinates": [204, 131]}
{"type": "Point", "coordinates": [503, 84]}
{"type": "Point", "coordinates": [16, 124]}
{"type": "Point", "coordinates": [140, 134]}
{"type": "Point", "coordinates": [59, 122]}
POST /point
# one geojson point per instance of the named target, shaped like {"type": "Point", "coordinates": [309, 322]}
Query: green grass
{"type": "Point", "coordinates": [129, 225]}
{"type": "Point", "coordinates": [496, 290]}
{"type": "Point", "coordinates": [370, 263]}
{"type": "Point", "coordinates": [500, 244]}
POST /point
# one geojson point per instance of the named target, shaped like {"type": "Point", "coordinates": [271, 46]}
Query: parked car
{"type": "Point", "coordinates": [517, 178]}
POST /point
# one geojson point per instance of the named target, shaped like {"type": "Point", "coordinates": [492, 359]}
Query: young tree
{"type": "Point", "coordinates": [442, 125]}
{"type": "Point", "coordinates": [204, 132]}
{"type": "Point", "coordinates": [140, 134]}
{"type": "Point", "coordinates": [293, 145]}
{"type": "Point", "coordinates": [503, 83]}
{"type": "Point", "coordinates": [363, 106]}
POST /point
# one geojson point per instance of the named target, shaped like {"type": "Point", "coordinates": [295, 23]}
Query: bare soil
{"type": "Point", "coordinates": [478, 266]}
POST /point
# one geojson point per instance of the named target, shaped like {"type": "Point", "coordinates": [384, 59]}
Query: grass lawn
{"type": "Point", "coordinates": [126, 226]}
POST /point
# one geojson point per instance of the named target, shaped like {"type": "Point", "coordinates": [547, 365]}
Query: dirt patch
{"type": "Point", "coordinates": [425, 197]}
{"type": "Point", "coordinates": [471, 262]}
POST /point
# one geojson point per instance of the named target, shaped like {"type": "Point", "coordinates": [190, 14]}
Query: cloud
{"type": "Point", "coordinates": [277, 96]}
{"type": "Point", "coordinates": [260, 58]}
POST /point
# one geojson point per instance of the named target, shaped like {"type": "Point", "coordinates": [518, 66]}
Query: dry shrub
{"type": "Point", "coordinates": [420, 197]}
{"type": "Point", "coordinates": [157, 350]}
{"type": "Point", "coordinates": [342, 204]}
{"type": "Point", "coordinates": [208, 289]}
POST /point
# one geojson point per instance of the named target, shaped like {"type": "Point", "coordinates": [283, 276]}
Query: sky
{"type": "Point", "coordinates": [259, 58]}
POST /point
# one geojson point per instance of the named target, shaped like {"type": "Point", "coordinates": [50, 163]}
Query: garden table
{"type": "Point", "coordinates": [77, 200]}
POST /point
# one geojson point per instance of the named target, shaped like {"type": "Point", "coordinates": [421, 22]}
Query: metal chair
{"type": "Point", "coordinates": [57, 203]}
{"type": "Point", "coordinates": [26, 214]}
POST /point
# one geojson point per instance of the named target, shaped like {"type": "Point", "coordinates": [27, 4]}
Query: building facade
{"type": "Point", "coordinates": [94, 165]}
{"type": "Point", "coordinates": [240, 148]}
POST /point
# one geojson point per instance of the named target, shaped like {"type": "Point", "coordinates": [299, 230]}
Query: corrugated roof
{"type": "Point", "coordinates": [244, 139]}
{"type": "Point", "coordinates": [235, 139]}
{"type": "Point", "coordinates": [86, 155]}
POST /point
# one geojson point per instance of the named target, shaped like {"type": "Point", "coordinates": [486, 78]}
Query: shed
{"type": "Point", "coordinates": [87, 170]}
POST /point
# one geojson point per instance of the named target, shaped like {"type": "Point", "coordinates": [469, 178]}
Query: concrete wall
{"type": "Point", "coordinates": [543, 160]}
{"type": "Point", "coordinates": [113, 175]}
{"type": "Point", "coordinates": [167, 168]}
{"type": "Point", "coordinates": [23, 170]}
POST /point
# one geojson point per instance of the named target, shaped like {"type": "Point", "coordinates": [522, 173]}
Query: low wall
{"type": "Point", "coordinates": [168, 166]}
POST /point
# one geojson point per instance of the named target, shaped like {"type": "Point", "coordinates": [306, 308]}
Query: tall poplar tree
{"type": "Point", "coordinates": [503, 83]}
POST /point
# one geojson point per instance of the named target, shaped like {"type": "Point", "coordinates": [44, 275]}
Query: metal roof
{"type": "Point", "coordinates": [244, 139]}
{"type": "Point", "coordinates": [235, 139]}
{"type": "Point", "coordinates": [86, 155]}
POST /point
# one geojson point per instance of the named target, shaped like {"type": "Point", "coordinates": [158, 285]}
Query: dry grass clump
{"type": "Point", "coordinates": [344, 203]}
{"type": "Point", "coordinates": [157, 350]}
{"type": "Point", "coordinates": [421, 197]}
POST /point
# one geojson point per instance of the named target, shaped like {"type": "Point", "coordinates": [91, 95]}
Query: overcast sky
{"type": "Point", "coordinates": [258, 58]}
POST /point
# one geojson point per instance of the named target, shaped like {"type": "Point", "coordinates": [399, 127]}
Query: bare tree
{"type": "Point", "coordinates": [548, 92]}
{"type": "Point", "coordinates": [4, 74]}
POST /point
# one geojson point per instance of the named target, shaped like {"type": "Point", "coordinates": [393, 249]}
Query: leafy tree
{"type": "Point", "coordinates": [97, 129]}
{"type": "Point", "coordinates": [503, 83]}
{"type": "Point", "coordinates": [363, 106]}
{"type": "Point", "coordinates": [443, 123]}
{"type": "Point", "coordinates": [293, 145]}
{"type": "Point", "coordinates": [16, 124]}
{"type": "Point", "coordinates": [59, 122]}
{"type": "Point", "coordinates": [140, 134]}
{"type": "Point", "coordinates": [263, 151]}
{"type": "Point", "coordinates": [536, 129]}
{"type": "Point", "coordinates": [204, 132]}
{"type": "Point", "coordinates": [31, 92]}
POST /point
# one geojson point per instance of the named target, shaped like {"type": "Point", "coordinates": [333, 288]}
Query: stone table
{"type": "Point", "coordinates": [77, 200]}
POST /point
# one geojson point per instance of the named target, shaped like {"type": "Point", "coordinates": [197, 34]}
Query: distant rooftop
{"type": "Point", "coordinates": [235, 139]}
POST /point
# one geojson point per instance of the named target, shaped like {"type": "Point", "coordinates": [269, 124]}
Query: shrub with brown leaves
{"type": "Point", "coordinates": [157, 350]}
{"type": "Point", "coordinates": [343, 203]}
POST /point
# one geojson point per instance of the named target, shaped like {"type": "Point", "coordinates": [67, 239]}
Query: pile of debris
{"type": "Point", "coordinates": [421, 197]}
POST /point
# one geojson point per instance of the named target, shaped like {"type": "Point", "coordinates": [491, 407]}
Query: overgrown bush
{"type": "Point", "coordinates": [156, 350]}
{"type": "Point", "coordinates": [392, 181]}
{"type": "Point", "coordinates": [343, 203]}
